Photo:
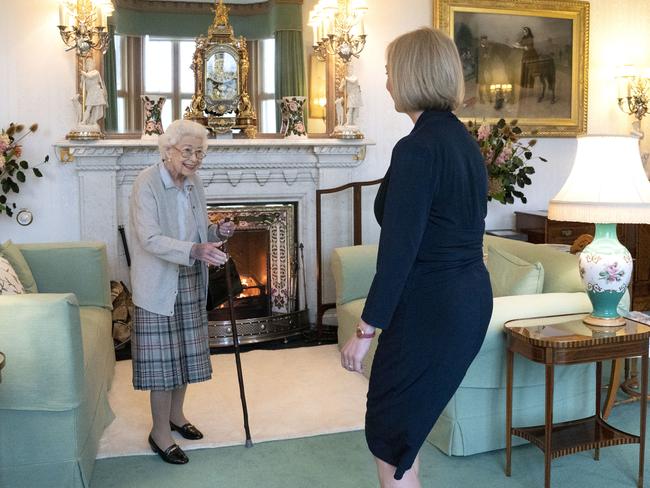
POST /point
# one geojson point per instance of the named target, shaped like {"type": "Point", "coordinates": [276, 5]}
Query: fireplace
{"type": "Point", "coordinates": [238, 170]}
{"type": "Point", "coordinates": [265, 251]}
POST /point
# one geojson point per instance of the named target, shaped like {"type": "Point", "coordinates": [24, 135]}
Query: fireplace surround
{"type": "Point", "coordinates": [237, 171]}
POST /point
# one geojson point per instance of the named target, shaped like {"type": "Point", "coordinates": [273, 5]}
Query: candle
{"type": "Point", "coordinates": [362, 30]}
{"type": "Point", "coordinates": [61, 14]}
{"type": "Point", "coordinates": [326, 26]}
{"type": "Point", "coordinates": [314, 29]}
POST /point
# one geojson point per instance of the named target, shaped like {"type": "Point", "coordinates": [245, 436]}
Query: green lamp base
{"type": "Point", "coordinates": [605, 269]}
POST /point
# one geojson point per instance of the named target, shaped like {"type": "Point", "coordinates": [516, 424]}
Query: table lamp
{"type": "Point", "coordinates": [607, 185]}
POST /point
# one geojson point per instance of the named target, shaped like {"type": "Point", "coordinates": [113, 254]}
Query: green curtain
{"type": "Point", "coordinates": [289, 66]}
{"type": "Point", "coordinates": [256, 26]}
{"type": "Point", "coordinates": [110, 83]}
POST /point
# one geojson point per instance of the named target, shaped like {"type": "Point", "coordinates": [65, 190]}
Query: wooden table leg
{"type": "Point", "coordinates": [509, 374]}
{"type": "Point", "coordinates": [643, 407]}
{"type": "Point", "coordinates": [599, 374]}
{"type": "Point", "coordinates": [548, 425]}
{"type": "Point", "coordinates": [614, 383]}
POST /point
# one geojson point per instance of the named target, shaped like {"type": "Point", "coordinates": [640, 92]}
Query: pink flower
{"type": "Point", "coordinates": [5, 142]}
{"type": "Point", "coordinates": [300, 128]}
{"type": "Point", "coordinates": [2, 163]}
{"type": "Point", "coordinates": [483, 132]}
{"type": "Point", "coordinates": [504, 156]}
{"type": "Point", "coordinates": [18, 151]}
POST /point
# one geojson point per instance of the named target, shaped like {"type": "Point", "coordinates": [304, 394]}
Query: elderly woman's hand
{"type": "Point", "coordinates": [209, 252]}
{"type": "Point", "coordinates": [226, 228]}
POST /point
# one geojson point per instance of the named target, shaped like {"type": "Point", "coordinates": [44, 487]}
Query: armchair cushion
{"type": "Point", "coordinates": [354, 269]}
{"type": "Point", "coordinates": [510, 275]}
{"type": "Point", "coordinates": [71, 267]}
{"type": "Point", "coordinates": [12, 253]}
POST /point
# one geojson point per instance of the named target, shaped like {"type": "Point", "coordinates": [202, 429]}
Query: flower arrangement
{"type": "Point", "coordinates": [506, 159]}
{"type": "Point", "coordinates": [12, 168]}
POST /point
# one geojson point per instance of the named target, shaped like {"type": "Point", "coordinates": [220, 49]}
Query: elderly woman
{"type": "Point", "coordinates": [431, 293]}
{"type": "Point", "coordinates": [172, 245]}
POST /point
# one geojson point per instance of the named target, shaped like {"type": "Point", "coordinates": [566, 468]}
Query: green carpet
{"type": "Point", "coordinates": [343, 461]}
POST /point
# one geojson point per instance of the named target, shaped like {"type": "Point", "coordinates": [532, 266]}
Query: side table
{"type": "Point", "coordinates": [565, 339]}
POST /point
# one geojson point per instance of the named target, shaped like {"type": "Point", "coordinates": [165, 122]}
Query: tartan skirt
{"type": "Point", "coordinates": [169, 352]}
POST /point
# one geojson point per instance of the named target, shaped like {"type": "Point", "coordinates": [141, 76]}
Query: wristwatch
{"type": "Point", "coordinates": [362, 334]}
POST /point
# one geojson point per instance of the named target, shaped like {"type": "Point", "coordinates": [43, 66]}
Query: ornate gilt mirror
{"type": "Point", "coordinates": [154, 43]}
{"type": "Point", "coordinates": [220, 64]}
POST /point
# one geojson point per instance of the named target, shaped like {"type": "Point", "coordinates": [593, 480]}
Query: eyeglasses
{"type": "Point", "coordinates": [187, 153]}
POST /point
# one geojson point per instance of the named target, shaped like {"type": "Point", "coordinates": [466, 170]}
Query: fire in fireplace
{"type": "Point", "coordinates": [265, 251]}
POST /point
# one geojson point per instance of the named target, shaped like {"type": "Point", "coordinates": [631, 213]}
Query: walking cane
{"type": "Point", "coordinates": [235, 343]}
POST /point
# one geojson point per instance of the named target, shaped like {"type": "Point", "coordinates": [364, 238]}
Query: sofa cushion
{"type": "Point", "coordinates": [9, 282]}
{"type": "Point", "coordinates": [510, 275]}
{"type": "Point", "coordinates": [560, 268]}
{"type": "Point", "coordinates": [11, 253]}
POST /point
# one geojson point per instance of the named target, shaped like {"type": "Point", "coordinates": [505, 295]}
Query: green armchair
{"type": "Point", "coordinates": [59, 367]}
{"type": "Point", "coordinates": [474, 419]}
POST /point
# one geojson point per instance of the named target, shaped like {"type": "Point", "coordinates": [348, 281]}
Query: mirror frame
{"type": "Point", "coordinates": [335, 69]}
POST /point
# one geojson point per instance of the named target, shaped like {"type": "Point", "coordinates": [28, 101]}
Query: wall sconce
{"type": "Point", "coordinates": [633, 85]}
{"type": "Point", "coordinates": [83, 25]}
{"type": "Point", "coordinates": [338, 28]}
{"type": "Point", "coordinates": [501, 92]}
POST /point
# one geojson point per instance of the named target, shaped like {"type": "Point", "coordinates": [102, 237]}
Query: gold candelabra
{"type": "Point", "coordinates": [338, 28]}
{"type": "Point", "coordinates": [633, 86]}
{"type": "Point", "coordinates": [83, 25]}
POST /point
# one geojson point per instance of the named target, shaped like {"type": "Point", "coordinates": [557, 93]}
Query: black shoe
{"type": "Point", "coordinates": [188, 431]}
{"type": "Point", "coordinates": [172, 455]}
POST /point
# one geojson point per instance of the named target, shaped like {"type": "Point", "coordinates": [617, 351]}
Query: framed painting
{"type": "Point", "coordinates": [522, 59]}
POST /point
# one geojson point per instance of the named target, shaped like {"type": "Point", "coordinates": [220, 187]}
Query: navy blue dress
{"type": "Point", "coordinates": [431, 293]}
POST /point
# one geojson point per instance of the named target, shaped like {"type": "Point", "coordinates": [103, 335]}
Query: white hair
{"type": "Point", "coordinates": [179, 129]}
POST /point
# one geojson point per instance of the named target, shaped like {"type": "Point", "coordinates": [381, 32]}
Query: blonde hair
{"type": "Point", "coordinates": [177, 130]}
{"type": "Point", "coordinates": [425, 72]}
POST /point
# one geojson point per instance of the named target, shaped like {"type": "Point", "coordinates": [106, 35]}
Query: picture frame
{"type": "Point", "coordinates": [522, 59]}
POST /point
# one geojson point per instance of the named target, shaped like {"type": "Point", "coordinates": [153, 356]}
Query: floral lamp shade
{"type": "Point", "coordinates": [607, 185]}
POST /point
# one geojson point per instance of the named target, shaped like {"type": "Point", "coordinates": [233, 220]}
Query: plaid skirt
{"type": "Point", "coordinates": [169, 352]}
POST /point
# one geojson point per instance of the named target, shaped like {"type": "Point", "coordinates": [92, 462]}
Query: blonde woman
{"type": "Point", "coordinates": [172, 244]}
{"type": "Point", "coordinates": [431, 293]}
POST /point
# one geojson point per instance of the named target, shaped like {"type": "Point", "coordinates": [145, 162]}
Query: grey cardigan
{"type": "Point", "coordinates": [155, 256]}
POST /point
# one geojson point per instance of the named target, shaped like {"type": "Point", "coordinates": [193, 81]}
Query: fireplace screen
{"type": "Point", "coordinates": [264, 248]}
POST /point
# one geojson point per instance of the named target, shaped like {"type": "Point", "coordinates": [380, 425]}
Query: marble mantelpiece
{"type": "Point", "coordinates": [234, 171]}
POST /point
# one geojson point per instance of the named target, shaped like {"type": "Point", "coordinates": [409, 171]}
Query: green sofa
{"type": "Point", "coordinates": [59, 367]}
{"type": "Point", "coordinates": [474, 419]}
